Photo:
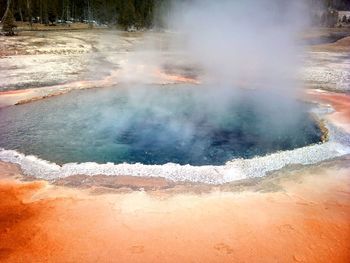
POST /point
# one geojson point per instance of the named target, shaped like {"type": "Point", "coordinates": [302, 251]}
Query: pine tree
{"type": "Point", "coordinates": [8, 21]}
{"type": "Point", "coordinates": [128, 15]}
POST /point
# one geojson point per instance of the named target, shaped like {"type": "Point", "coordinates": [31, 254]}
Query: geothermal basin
{"type": "Point", "coordinates": [154, 125]}
{"type": "Point", "coordinates": [178, 132]}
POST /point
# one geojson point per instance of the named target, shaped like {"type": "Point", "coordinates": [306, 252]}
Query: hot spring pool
{"type": "Point", "coordinates": [156, 125]}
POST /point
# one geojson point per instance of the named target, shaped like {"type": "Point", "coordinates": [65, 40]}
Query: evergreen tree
{"type": "Point", "coordinates": [8, 23]}
{"type": "Point", "coordinates": [125, 13]}
{"type": "Point", "coordinates": [8, 20]}
{"type": "Point", "coordinates": [128, 15]}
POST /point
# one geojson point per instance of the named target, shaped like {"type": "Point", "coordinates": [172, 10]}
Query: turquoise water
{"type": "Point", "coordinates": [156, 125]}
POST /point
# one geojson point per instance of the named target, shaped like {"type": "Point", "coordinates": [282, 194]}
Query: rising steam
{"type": "Point", "coordinates": [235, 45]}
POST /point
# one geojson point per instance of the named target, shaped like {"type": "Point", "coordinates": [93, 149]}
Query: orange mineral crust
{"type": "Point", "coordinates": [341, 104]}
{"type": "Point", "coordinates": [302, 216]}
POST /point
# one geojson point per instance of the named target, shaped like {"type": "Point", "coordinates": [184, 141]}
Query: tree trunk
{"type": "Point", "coordinates": [29, 13]}
{"type": "Point", "coordinates": [7, 9]}
{"type": "Point", "coordinates": [41, 11]}
{"type": "Point", "coordinates": [20, 13]}
{"type": "Point", "coordinates": [89, 15]}
{"type": "Point", "coordinates": [8, 21]}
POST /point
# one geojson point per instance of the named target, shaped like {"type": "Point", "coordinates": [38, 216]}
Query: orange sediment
{"type": "Point", "coordinates": [173, 78]}
{"type": "Point", "coordinates": [307, 220]}
{"type": "Point", "coordinates": [341, 104]}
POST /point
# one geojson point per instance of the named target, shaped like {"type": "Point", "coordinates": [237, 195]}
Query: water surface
{"type": "Point", "coordinates": [156, 125]}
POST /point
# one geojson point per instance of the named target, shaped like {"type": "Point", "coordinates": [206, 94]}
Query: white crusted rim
{"type": "Point", "coordinates": [237, 169]}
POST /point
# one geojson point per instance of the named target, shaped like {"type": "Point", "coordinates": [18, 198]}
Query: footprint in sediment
{"type": "Point", "coordinates": [4, 252]}
{"type": "Point", "coordinates": [223, 248]}
{"type": "Point", "coordinates": [136, 249]}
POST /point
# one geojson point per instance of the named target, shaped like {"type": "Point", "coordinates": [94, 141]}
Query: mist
{"type": "Point", "coordinates": [233, 44]}
{"type": "Point", "coordinates": [246, 53]}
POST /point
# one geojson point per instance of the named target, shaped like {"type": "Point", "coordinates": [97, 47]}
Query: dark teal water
{"type": "Point", "coordinates": [156, 125]}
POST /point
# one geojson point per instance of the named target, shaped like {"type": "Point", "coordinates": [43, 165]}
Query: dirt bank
{"type": "Point", "coordinates": [342, 45]}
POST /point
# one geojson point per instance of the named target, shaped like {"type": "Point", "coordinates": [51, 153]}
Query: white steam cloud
{"type": "Point", "coordinates": [237, 43]}
{"type": "Point", "coordinates": [234, 46]}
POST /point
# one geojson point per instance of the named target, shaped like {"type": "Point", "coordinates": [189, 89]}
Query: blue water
{"type": "Point", "coordinates": [156, 125]}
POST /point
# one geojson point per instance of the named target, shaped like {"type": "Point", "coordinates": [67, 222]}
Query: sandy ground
{"type": "Point", "coordinates": [298, 214]}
